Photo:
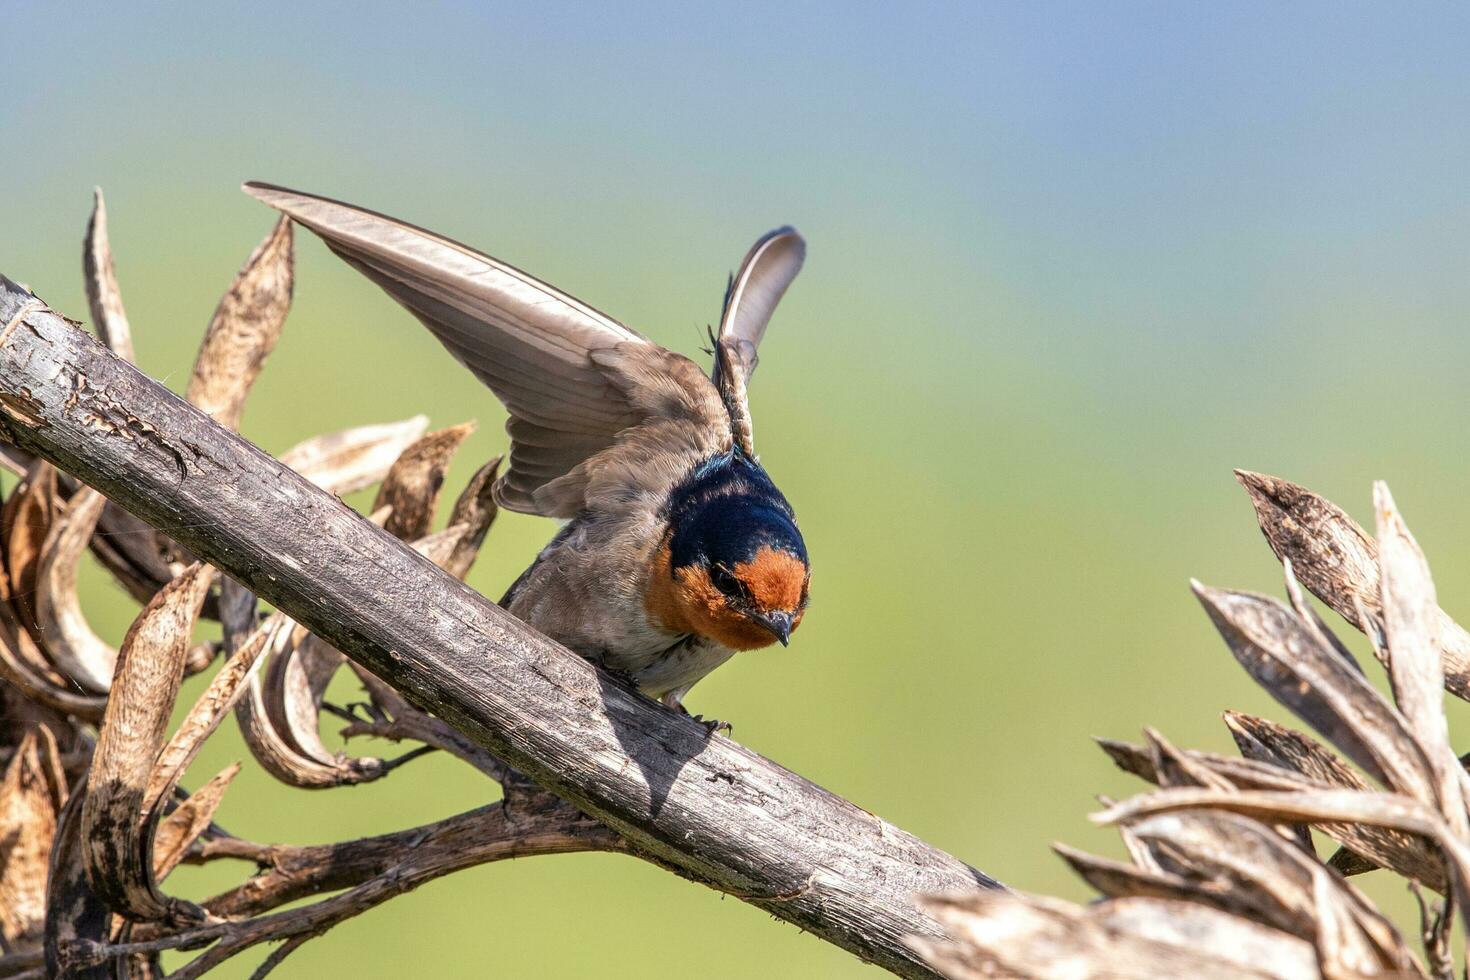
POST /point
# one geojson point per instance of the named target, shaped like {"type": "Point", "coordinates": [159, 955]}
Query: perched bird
{"type": "Point", "coordinates": [678, 549]}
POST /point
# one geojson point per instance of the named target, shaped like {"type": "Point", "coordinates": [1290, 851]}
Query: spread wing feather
{"type": "Point", "coordinates": [599, 415]}
{"type": "Point", "coordinates": [528, 341]}
{"type": "Point", "coordinates": [768, 269]}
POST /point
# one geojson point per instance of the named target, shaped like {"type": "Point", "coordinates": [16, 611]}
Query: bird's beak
{"type": "Point", "coordinates": [779, 623]}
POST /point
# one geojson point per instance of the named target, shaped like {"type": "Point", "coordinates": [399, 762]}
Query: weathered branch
{"type": "Point", "coordinates": [702, 804]}
{"type": "Point", "coordinates": [372, 870]}
{"type": "Point", "coordinates": [520, 827]}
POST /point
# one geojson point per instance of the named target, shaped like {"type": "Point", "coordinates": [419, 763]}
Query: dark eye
{"type": "Point", "coordinates": [725, 580]}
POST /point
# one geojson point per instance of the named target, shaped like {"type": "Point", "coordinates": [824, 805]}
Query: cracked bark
{"type": "Point", "coordinates": [704, 805]}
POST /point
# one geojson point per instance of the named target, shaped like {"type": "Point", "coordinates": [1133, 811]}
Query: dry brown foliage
{"type": "Point", "coordinates": [92, 815]}
{"type": "Point", "coordinates": [1224, 878]}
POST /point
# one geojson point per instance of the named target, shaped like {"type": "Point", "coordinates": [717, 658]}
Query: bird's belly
{"type": "Point", "coordinates": [672, 669]}
{"type": "Point", "coordinates": [620, 636]}
{"type": "Point", "coordinates": [586, 591]}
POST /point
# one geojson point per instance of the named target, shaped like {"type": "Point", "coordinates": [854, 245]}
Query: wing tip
{"type": "Point", "coordinates": [784, 240]}
{"type": "Point", "coordinates": [273, 195]}
{"type": "Point", "coordinates": [788, 232]}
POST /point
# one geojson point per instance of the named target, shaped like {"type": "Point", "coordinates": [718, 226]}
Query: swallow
{"type": "Point", "coordinates": [678, 550]}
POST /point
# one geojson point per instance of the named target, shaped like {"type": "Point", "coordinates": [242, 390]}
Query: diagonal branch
{"type": "Point", "coordinates": [714, 810]}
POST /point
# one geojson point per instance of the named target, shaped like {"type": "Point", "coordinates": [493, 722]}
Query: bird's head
{"type": "Point", "coordinates": [733, 566]}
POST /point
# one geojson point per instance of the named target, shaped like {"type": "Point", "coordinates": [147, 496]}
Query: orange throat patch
{"type": "Point", "coordinates": [685, 600]}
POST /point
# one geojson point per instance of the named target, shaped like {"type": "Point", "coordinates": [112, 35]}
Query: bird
{"type": "Point", "coordinates": [678, 550]}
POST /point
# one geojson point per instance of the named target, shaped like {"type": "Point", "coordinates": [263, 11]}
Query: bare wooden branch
{"type": "Point", "coordinates": [539, 823]}
{"type": "Point", "coordinates": [681, 796]}
{"type": "Point", "coordinates": [372, 869]}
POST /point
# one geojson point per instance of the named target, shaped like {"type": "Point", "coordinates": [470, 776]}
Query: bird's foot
{"type": "Point", "coordinates": [714, 724]}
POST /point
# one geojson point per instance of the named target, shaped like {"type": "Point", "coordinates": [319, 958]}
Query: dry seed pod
{"type": "Point", "coordinates": [216, 701]}
{"type": "Point", "coordinates": [296, 682]}
{"type": "Point", "coordinates": [1410, 619]}
{"type": "Point", "coordinates": [24, 524]}
{"type": "Point", "coordinates": [1118, 879]}
{"type": "Point", "coordinates": [1285, 888]}
{"type": "Point", "coordinates": [70, 643]}
{"type": "Point", "coordinates": [1312, 621]}
{"type": "Point", "coordinates": [1285, 657]}
{"type": "Point", "coordinates": [281, 717]}
{"type": "Point", "coordinates": [1407, 854]}
{"type": "Point", "coordinates": [244, 330]}
{"type": "Point", "coordinates": [103, 297]}
{"type": "Point", "coordinates": [1338, 562]}
{"type": "Point", "coordinates": [1265, 740]}
{"type": "Point", "coordinates": [1239, 773]}
{"type": "Point", "coordinates": [32, 794]}
{"type": "Point", "coordinates": [188, 820]}
{"type": "Point", "coordinates": [118, 828]}
{"type": "Point", "coordinates": [1390, 810]}
{"type": "Point", "coordinates": [475, 510]}
{"type": "Point", "coordinates": [1175, 768]}
{"type": "Point", "coordinates": [413, 483]}
{"type": "Point", "coordinates": [23, 665]}
{"type": "Point", "coordinates": [264, 721]}
{"type": "Point", "coordinates": [75, 912]}
{"type": "Point", "coordinates": [342, 462]}
{"type": "Point", "coordinates": [999, 933]}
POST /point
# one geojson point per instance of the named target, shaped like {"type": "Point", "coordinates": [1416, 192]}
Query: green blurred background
{"type": "Point", "coordinates": [1069, 264]}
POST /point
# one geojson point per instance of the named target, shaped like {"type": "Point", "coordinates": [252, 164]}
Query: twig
{"type": "Point", "coordinates": [373, 870]}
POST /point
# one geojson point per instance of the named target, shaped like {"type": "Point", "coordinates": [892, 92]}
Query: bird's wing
{"type": "Point", "coordinates": [750, 300]}
{"type": "Point", "coordinates": [532, 344]}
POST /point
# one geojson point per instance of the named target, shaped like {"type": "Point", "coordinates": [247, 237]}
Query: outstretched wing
{"type": "Point", "coordinates": [769, 267]}
{"type": "Point", "coordinates": [531, 343]}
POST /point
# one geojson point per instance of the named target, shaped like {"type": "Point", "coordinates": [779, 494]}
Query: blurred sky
{"type": "Point", "coordinates": [1069, 264]}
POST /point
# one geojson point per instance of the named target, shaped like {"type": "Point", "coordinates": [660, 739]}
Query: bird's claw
{"type": "Point", "coordinates": [714, 724]}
